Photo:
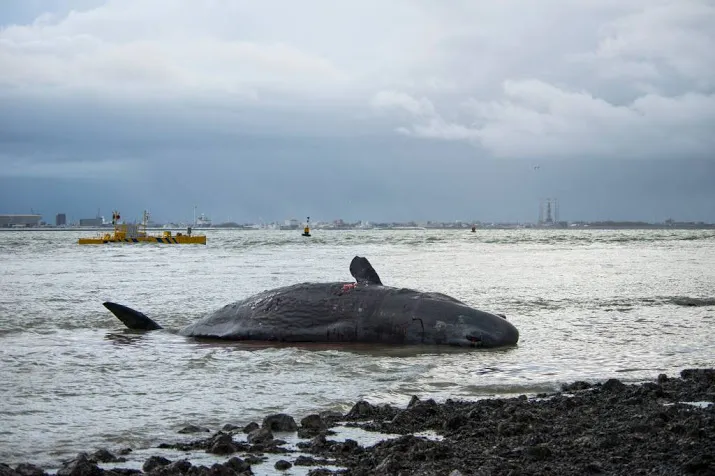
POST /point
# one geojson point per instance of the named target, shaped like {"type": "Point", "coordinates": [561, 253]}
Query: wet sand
{"type": "Point", "coordinates": [666, 426]}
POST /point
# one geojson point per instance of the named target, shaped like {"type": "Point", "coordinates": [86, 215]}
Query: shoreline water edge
{"type": "Point", "coordinates": [665, 426]}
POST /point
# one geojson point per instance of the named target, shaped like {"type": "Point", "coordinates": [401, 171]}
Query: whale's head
{"type": "Point", "coordinates": [482, 329]}
{"type": "Point", "coordinates": [454, 323]}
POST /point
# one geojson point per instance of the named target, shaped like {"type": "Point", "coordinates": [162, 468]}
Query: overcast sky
{"type": "Point", "coordinates": [358, 109]}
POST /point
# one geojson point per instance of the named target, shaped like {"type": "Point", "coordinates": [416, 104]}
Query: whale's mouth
{"type": "Point", "coordinates": [474, 339]}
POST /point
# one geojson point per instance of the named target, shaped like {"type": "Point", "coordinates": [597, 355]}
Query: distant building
{"type": "Point", "coordinates": [19, 221]}
{"type": "Point", "coordinates": [60, 219]}
{"type": "Point", "coordinates": [291, 224]}
{"type": "Point", "coordinates": [91, 221]}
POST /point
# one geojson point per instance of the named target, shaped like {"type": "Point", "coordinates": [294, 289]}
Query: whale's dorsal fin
{"type": "Point", "coordinates": [363, 272]}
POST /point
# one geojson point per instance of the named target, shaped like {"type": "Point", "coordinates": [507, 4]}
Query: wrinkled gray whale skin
{"type": "Point", "coordinates": [364, 312]}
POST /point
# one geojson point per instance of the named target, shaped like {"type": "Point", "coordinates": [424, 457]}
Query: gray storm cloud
{"type": "Point", "coordinates": [642, 89]}
{"type": "Point", "coordinates": [553, 78]}
{"type": "Point", "coordinates": [125, 87]}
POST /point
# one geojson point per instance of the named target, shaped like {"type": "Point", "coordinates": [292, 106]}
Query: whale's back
{"type": "Point", "coordinates": [300, 312]}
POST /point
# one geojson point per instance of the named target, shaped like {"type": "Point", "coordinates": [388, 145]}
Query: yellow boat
{"type": "Point", "coordinates": [136, 233]}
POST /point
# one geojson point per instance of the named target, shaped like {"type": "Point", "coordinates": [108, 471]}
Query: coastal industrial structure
{"type": "Point", "coordinates": [60, 219]}
{"type": "Point", "coordinates": [548, 212]}
{"type": "Point", "coordinates": [19, 221]}
{"type": "Point", "coordinates": [97, 221]}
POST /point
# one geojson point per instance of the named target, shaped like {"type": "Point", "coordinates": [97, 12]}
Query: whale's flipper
{"type": "Point", "coordinates": [363, 272]}
{"type": "Point", "coordinates": [131, 318]}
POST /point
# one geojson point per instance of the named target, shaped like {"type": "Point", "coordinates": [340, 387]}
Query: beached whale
{"type": "Point", "coordinates": [365, 312]}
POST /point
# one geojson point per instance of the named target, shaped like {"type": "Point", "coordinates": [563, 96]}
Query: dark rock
{"type": "Point", "coordinates": [279, 422]}
{"type": "Point", "coordinates": [222, 444]}
{"type": "Point", "coordinates": [454, 423]}
{"type": "Point", "coordinates": [391, 464]}
{"type": "Point", "coordinates": [413, 401]}
{"type": "Point", "coordinates": [700, 464]}
{"type": "Point", "coordinates": [613, 385]}
{"type": "Point", "coordinates": [313, 422]}
{"type": "Point", "coordinates": [200, 470]}
{"type": "Point", "coordinates": [311, 426]}
{"type": "Point", "coordinates": [260, 436]}
{"type": "Point", "coordinates": [194, 429]}
{"type": "Point", "coordinates": [182, 466]}
{"type": "Point", "coordinates": [104, 456]}
{"type": "Point", "coordinates": [707, 375]}
{"type": "Point", "coordinates": [271, 446]}
{"type": "Point", "coordinates": [253, 459]}
{"type": "Point", "coordinates": [303, 460]}
{"type": "Point", "coordinates": [575, 386]}
{"type": "Point", "coordinates": [282, 465]}
{"type": "Point", "coordinates": [322, 472]}
{"type": "Point", "coordinates": [6, 470]}
{"type": "Point", "coordinates": [80, 466]}
{"type": "Point", "coordinates": [218, 469]}
{"type": "Point", "coordinates": [363, 410]}
{"type": "Point", "coordinates": [238, 465]}
{"type": "Point", "coordinates": [154, 462]}
{"type": "Point", "coordinates": [123, 472]}
{"type": "Point", "coordinates": [305, 433]}
{"type": "Point", "coordinates": [593, 468]}
{"type": "Point", "coordinates": [27, 469]}
{"type": "Point", "coordinates": [251, 427]}
{"type": "Point", "coordinates": [539, 452]}
{"type": "Point", "coordinates": [331, 417]}
{"type": "Point", "coordinates": [230, 427]}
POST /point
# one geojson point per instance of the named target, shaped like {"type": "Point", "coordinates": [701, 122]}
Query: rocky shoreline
{"type": "Point", "coordinates": [662, 427]}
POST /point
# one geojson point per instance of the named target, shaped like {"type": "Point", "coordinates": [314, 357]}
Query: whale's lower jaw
{"type": "Point", "coordinates": [325, 335]}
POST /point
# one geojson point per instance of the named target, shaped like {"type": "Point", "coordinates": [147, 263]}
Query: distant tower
{"type": "Point", "coordinates": [60, 219]}
{"type": "Point", "coordinates": [548, 211]}
{"type": "Point", "coordinates": [556, 211]}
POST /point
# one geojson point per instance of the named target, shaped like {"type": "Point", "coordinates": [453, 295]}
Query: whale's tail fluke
{"type": "Point", "coordinates": [132, 319]}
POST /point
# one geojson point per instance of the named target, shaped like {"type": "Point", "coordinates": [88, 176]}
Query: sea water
{"type": "Point", "coordinates": [589, 305]}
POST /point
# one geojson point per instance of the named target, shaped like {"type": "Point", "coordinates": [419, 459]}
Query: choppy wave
{"type": "Point", "coordinates": [495, 236]}
{"type": "Point", "coordinates": [243, 239]}
{"type": "Point", "coordinates": [612, 304]}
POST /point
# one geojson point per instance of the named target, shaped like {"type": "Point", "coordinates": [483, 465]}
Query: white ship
{"type": "Point", "coordinates": [202, 221]}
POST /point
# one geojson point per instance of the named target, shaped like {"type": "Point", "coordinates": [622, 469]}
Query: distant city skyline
{"type": "Point", "coordinates": [65, 219]}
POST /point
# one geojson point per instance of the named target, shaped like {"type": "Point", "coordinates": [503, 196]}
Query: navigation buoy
{"type": "Point", "coordinates": [306, 230]}
{"type": "Point", "coordinates": [474, 229]}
